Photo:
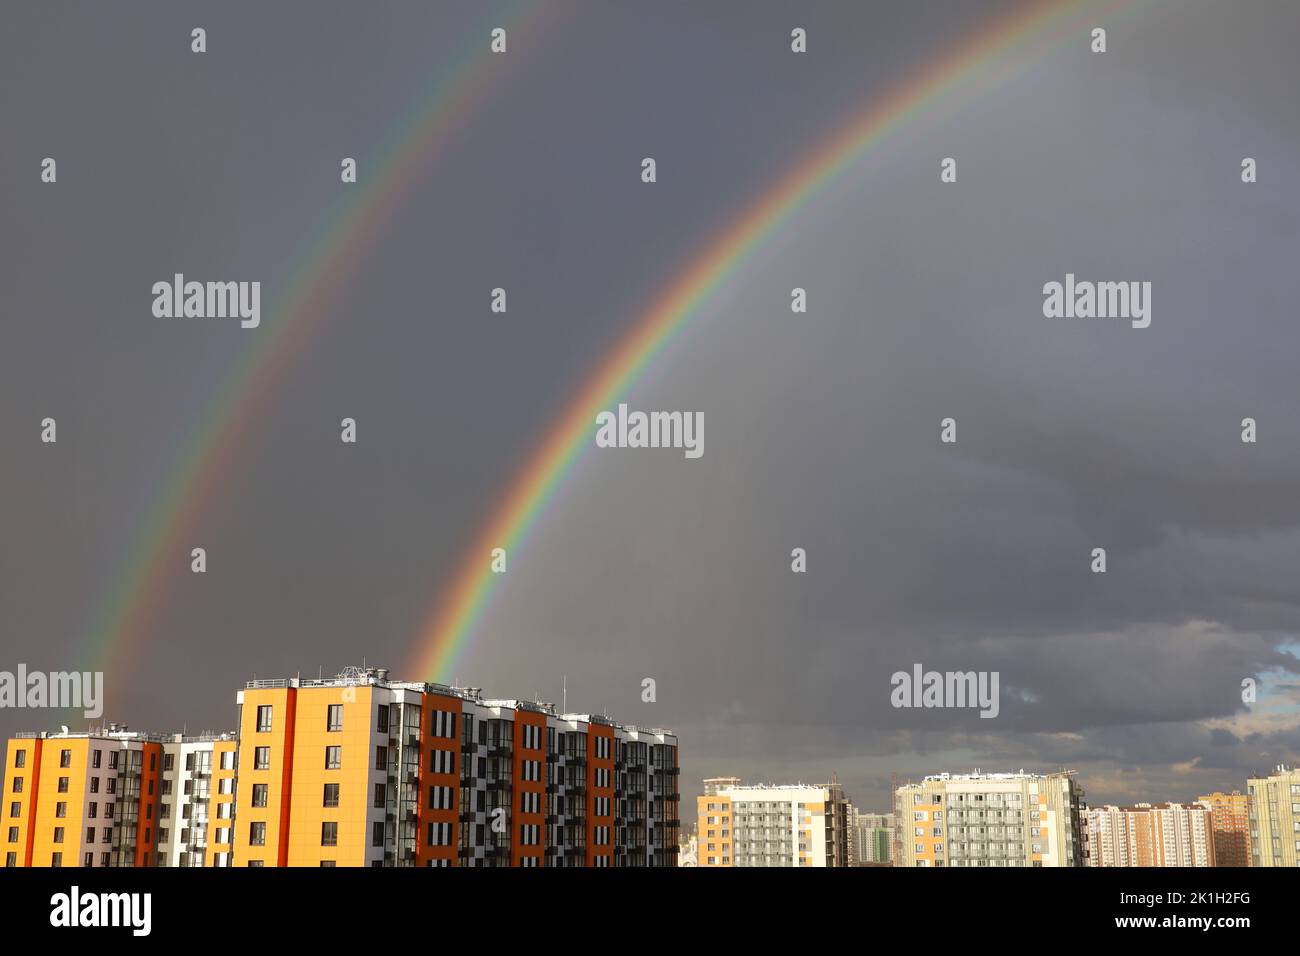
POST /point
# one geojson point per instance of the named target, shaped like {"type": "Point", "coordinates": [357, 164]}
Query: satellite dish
{"type": "Point", "coordinates": [63, 728]}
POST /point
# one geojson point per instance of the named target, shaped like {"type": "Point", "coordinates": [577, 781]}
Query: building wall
{"type": "Point", "coordinates": [1274, 812]}
{"type": "Point", "coordinates": [21, 797]}
{"type": "Point", "coordinates": [714, 829]}
{"type": "Point", "coordinates": [272, 850]}
{"type": "Point", "coordinates": [1230, 823]}
{"type": "Point", "coordinates": [988, 820]}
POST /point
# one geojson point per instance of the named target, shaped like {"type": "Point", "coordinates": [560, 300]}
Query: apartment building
{"type": "Point", "coordinates": [197, 800]}
{"type": "Point", "coordinates": [1230, 823]}
{"type": "Point", "coordinates": [81, 799]}
{"type": "Point", "coordinates": [991, 819]}
{"type": "Point", "coordinates": [360, 770]}
{"type": "Point", "coordinates": [1166, 834]}
{"type": "Point", "coordinates": [1274, 813]}
{"type": "Point", "coordinates": [873, 837]}
{"type": "Point", "coordinates": [771, 824]}
{"type": "Point", "coordinates": [354, 770]}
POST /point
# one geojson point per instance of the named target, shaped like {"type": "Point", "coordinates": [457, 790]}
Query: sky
{"type": "Point", "coordinates": [822, 428]}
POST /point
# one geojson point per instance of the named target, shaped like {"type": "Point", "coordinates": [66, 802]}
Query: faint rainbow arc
{"type": "Point", "coordinates": [322, 268]}
{"type": "Point", "coordinates": [454, 617]}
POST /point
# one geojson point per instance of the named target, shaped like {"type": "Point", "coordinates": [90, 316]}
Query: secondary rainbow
{"type": "Point", "coordinates": [322, 268]}
{"type": "Point", "coordinates": [1028, 31]}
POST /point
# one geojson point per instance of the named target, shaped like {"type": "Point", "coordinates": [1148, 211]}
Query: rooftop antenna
{"type": "Point", "coordinates": [565, 692]}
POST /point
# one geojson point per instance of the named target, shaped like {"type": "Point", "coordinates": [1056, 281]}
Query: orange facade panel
{"type": "Point", "coordinates": [439, 802]}
{"type": "Point", "coordinates": [600, 791]}
{"type": "Point", "coordinates": [528, 798]}
{"type": "Point", "coordinates": [266, 723]}
{"type": "Point", "coordinates": [21, 789]}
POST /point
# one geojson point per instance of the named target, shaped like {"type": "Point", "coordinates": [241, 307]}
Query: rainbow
{"type": "Point", "coordinates": [322, 268]}
{"type": "Point", "coordinates": [1029, 31]}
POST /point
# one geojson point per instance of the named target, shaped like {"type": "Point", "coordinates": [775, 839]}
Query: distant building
{"type": "Point", "coordinates": [991, 819]}
{"type": "Point", "coordinates": [686, 853]}
{"type": "Point", "coordinates": [1166, 834]}
{"type": "Point", "coordinates": [1275, 818]}
{"type": "Point", "coordinates": [772, 825]}
{"type": "Point", "coordinates": [873, 837]}
{"type": "Point", "coordinates": [1230, 823]}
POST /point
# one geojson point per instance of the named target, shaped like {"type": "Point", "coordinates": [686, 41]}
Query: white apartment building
{"type": "Point", "coordinates": [991, 819]}
{"type": "Point", "coordinates": [1166, 834]}
{"type": "Point", "coordinates": [772, 825]}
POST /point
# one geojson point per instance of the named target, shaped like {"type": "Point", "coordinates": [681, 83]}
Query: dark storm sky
{"type": "Point", "coordinates": [821, 429]}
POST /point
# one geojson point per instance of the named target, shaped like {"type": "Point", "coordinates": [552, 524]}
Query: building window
{"type": "Point", "coordinates": [334, 717]}
{"type": "Point", "coordinates": [257, 834]}
{"type": "Point", "coordinates": [377, 833]}
{"type": "Point", "coordinates": [333, 758]}
{"type": "Point", "coordinates": [18, 785]}
{"type": "Point", "coordinates": [382, 719]}
{"type": "Point", "coordinates": [169, 762]}
{"type": "Point", "coordinates": [20, 758]}
{"type": "Point", "coordinates": [58, 834]}
{"type": "Point", "coordinates": [329, 834]}
{"type": "Point", "coordinates": [63, 785]}
{"type": "Point", "coordinates": [380, 795]}
{"type": "Point", "coordinates": [264, 718]}
{"type": "Point", "coordinates": [331, 795]}
{"type": "Point", "coordinates": [262, 758]}
{"type": "Point", "coordinates": [381, 758]}
{"type": "Point", "coordinates": [260, 792]}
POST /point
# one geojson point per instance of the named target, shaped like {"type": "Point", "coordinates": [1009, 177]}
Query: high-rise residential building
{"type": "Point", "coordinates": [197, 800]}
{"type": "Point", "coordinates": [1274, 807]}
{"type": "Point", "coordinates": [1230, 820]}
{"type": "Point", "coordinates": [873, 837]}
{"type": "Point", "coordinates": [356, 770]}
{"type": "Point", "coordinates": [81, 799]}
{"type": "Point", "coordinates": [991, 819]}
{"type": "Point", "coordinates": [1166, 834]}
{"type": "Point", "coordinates": [359, 770]}
{"type": "Point", "coordinates": [771, 824]}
